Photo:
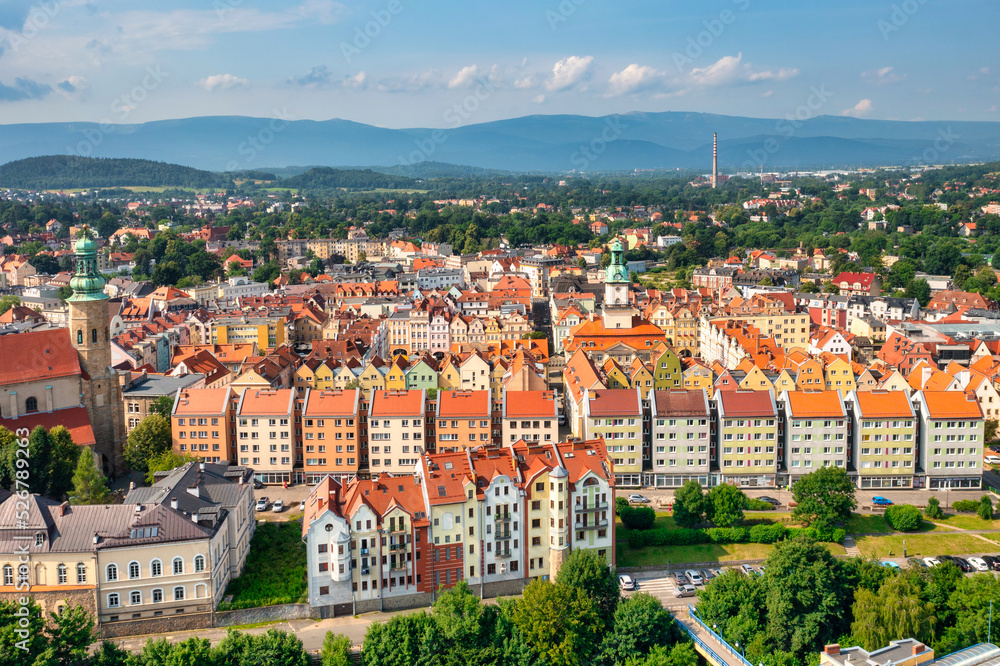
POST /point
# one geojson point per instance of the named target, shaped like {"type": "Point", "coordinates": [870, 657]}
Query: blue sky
{"type": "Point", "coordinates": [439, 63]}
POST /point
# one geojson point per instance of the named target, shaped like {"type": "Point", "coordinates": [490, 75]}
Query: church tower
{"type": "Point", "coordinates": [90, 333]}
{"type": "Point", "coordinates": [617, 310]}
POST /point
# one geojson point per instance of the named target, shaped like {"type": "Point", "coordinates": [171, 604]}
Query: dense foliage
{"type": "Point", "coordinates": [275, 572]}
{"type": "Point", "coordinates": [69, 171]}
{"type": "Point", "coordinates": [46, 465]}
{"type": "Point", "coordinates": [824, 497]}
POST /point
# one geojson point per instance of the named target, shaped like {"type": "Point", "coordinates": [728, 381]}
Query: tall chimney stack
{"type": "Point", "coordinates": [715, 160]}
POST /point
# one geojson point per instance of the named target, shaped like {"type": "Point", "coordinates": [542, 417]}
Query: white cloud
{"type": "Point", "coordinates": [525, 83]}
{"type": "Point", "coordinates": [74, 87]}
{"type": "Point", "coordinates": [538, 99]}
{"type": "Point", "coordinates": [862, 108]}
{"type": "Point", "coordinates": [222, 82]}
{"type": "Point", "coordinates": [729, 70]}
{"type": "Point", "coordinates": [569, 72]}
{"type": "Point", "coordinates": [767, 93]}
{"type": "Point", "coordinates": [412, 83]}
{"type": "Point", "coordinates": [324, 11]}
{"type": "Point", "coordinates": [882, 77]}
{"type": "Point", "coordinates": [465, 76]}
{"type": "Point", "coordinates": [357, 82]}
{"type": "Point", "coordinates": [634, 78]}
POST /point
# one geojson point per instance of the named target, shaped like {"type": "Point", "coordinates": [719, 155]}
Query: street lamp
{"type": "Point", "coordinates": [741, 649]}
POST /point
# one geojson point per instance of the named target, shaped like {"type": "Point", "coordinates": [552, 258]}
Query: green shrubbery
{"type": "Point", "coordinates": [637, 517]}
{"type": "Point", "coordinates": [721, 535]}
{"type": "Point", "coordinates": [275, 572]}
{"type": "Point", "coordinates": [903, 517]}
{"type": "Point", "coordinates": [965, 506]}
{"type": "Point", "coordinates": [754, 504]}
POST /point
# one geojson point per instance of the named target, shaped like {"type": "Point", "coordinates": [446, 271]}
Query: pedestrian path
{"type": "Point", "coordinates": [851, 547]}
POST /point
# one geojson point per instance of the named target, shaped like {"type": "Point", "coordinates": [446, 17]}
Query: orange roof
{"type": "Point", "coordinates": [578, 460]}
{"type": "Point", "coordinates": [331, 403]}
{"type": "Point", "coordinates": [952, 405]}
{"type": "Point", "coordinates": [201, 401]}
{"type": "Point", "coordinates": [38, 355]}
{"type": "Point", "coordinates": [875, 404]}
{"type": "Point", "coordinates": [680, 403]}
{"type": "Point", "coordinates": [397, 403]}
{"type": "Point", "coordinates": [266, 402]}
{"type": "Point", "coordinates": [615, 402]}
{"type": "Point", "coordinates": [747, 403]}
{"type": "Point", "coordinates": [529, 404]}
{"type": "Point", "coordinates": [815, 404]}
{"type": "Point", "coordinates": [74, 419]}
{"type": "Point", "coordinates": [464, 404]}
{"type": "Point", "coordinates": [384, 493]}
{"type": "Point", "coordinates": [447, 475]}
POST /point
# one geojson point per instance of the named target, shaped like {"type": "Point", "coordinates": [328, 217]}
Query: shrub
{"type": "Point", "coordinates": [666, 537]}
{"type": "Point", "coordinates": [754, 504]}
{"type": "Point", "coordinates": [768, 533]}
{"type": "Point", "coordinates": [638, 517]}
{"type": "Point", "coordinates": [965, 506]}
{"type": "Point", "coordinates": [903, 517]}
{"type": "Point", "coordinates": [728, 534]}
{"type": "Point", "coordinates": [933, 510]}
{"type": "Point", "coordinates": [985, 508]}
{"type": "Point", "coordinates": [828, 534]}
{"type": "Point", "coordinates": [620, 503]}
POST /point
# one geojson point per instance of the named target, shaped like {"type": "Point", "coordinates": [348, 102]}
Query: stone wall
{"type": "Point", "coordinates": [264, 614]}
{"type": "Point", "coordinates": [156, 625]}
{"type": "Point", "coordinates": [50, 601]}
{"type": "Point", "coordinates": [502, 588]}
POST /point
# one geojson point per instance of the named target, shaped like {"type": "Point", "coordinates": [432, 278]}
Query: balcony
{"type": "Point", "coordinates": [590, 525]}
{"type": "Point", "coordinates": [599, 506]}
{"type": "Point", "coordinates": [502, 517]}
{"type": "Point", "coordinates": [397, 566]}
{"type": "Point", "coordinates": [364, 551]}
{"type": "Point", "coordinates": [365, 571]}
{"type": "Point", "coordinates": [505, 534]}
{"type": "Point", "coordinates": [397, 546]}
{"type": "Point", "coordinates": [398, 530]}
{"type": "Point", "coordinates": [503, 554]}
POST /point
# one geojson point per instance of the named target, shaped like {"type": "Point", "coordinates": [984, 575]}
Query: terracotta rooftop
{"type": "Point", "coordinates": [680, 403]}
{"type": "Point", "coordinates": [266, 402]}
{"type": "Point", "coordinates": [331, 403]}
{"type": "Point", "coordinates": [37, 355]}
{"type": "Point", "coordinates": [397, 403]}
{"type": "Point", "coordinates": [201, 401]}
{"type": "Point", "coordinates": [615, 402]}
{"type": "Point", "coordinates": [874, 404]}
{"type": "Point", "coordinates": [815, 404]}
{"type": "Point", "coordinates": [747, 403]}
{"type": "Point", "coordinates": [952, 405]}
{"type": "Point", "coordinates": [530, 404]}
{"type": "Point", "coordinates": [464, 404]}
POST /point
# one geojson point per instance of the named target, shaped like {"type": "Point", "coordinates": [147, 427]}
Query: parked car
{"type": "Point", "coordinates": [930, 562]}
{"type": "Point", "coordinates": [962, 564]}
{"type": "Point", "coordinates": [993, 448]}
{"type": "Point", "coordinates": [706, 575]}
{"type": "Point", "coordinates": [625, 582]}
{"type": "Point", "coordinates": [680, 579]}
{"type": "Point", "coordinates": [685, 591]}
{"type": "Point", "coordinates": [694, 577]}
{"type": "Point", "coordinates": [278, 506]}
{"type": "Point", "coordinates": [638, 499]}
{"type": "Point", "coordinates": [916, 563]}
{"type": "Point", "coordinates": [715, 572]}
{"type": "Point", "coordinates": [993, 460]}
{"type": "Point", "coordinates": [878, 500]}
{"type": "Point", "coordinates": [979, 564]}
{"type": "Point", "coordinates": [992, 561]}
{"type": "Point", "coordinates": [769, 500]}
{"type": "Point", "coordinates": [262, 503]}
{"type": "Point", "coordinates": [257, 485]}
{"type": "Point", "coordinates": [747, 569]}
{"type": "Point", "coordinates": [889, 564]}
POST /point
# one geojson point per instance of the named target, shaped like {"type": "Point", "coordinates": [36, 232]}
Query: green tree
{"type": "Point", "coordinates": [933, 509]}
{"type": "Point", "coordinates": [336, 650]}
{"type": "Point", "coordinates": [736, 604]}
{"type": "Point", "coordinates": [985, 510]}
{"type": "Point", "coordinates": [680, 654]}
{"type": "Point", "coordinates": [920, 290]}
{"type": "Point", "coordinates": [689, 504]}
{"type": "Point", "coordinates": [806, 596]}
{"type": "Point", "coordinates": [166, 273]}
{"type": "Point", "coordinates": [166, 461]}
{"type": "Point", "coordinates": [64, 455]}
{"type": "Point", "coordinates": [362, 257]}
{"type": "Point", "coordinates": [164, 406]}
{"type": "Point", "coordinates": [824, 497]}
{"type": "Point", "coordinates": [459, 616]}
{"type": "Point", "coordinates": [7, 302]}
{"type": "Point", "coordinates": [640, 623]}
{"type": "Point", "coordinates": [894, 610]}
{"type": "Point", "coordinates": [830, 288]}
{"type": "Point", "coordinates": [968, 611]}
{"type": "Point", "coordinates": [271, 647]}
{"type": "Point", "coordinates": [12, 643]}
{"type": "Point", "coordinates": [71, 633]}
{"type": "Point", "coordinates": [402, 641]}
{"type": "Point", "coordinates": [903, 517]}
{"type": "Point", "coordinates": [148, 440]}
{"type": "Point", "coordinates": [559, 622]}
{"type": "Point", "coordinates": [990, 430]}
{"type": "Point", "coordinates": [726, 504]}
{"type": "Point", "coordinates": [109, 654]}
{"type": "Point", "coordinates": [89, 485]}
{"type": "Point", "coordinates": [588, 571]}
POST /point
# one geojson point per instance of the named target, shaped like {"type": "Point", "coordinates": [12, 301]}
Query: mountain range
{"type": "Point", "coordinates": [549, 143]}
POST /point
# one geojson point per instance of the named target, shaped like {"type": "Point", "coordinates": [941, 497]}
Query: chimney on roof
{"type": "Point", "coordinates": [63, 508]}
{"type": "Point", "coordinates": [193, 489]}
{"type": "Point", "coordinates": [194, 516]}
{"type": "Point", "coordinates": [918, 648]}
{"type": "Point", "coordinates": [201, 466]}
{"type": "Point", "coordinates": [97, 539]}
{"type": "Point", "coordinates": [173, 502]}
{"type": "Point", "coordinates": [833, 649]}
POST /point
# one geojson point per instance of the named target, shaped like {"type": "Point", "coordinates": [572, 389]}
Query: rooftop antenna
{"type": "Point", "coordinates": [715, 160]}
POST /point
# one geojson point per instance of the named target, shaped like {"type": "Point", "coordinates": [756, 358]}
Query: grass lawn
{"type": "Point", "coordinates": [664, 520]}
{"type": "Point", "coordinates": [924, 545]}
{"type": "Point", "coordinates": [968, 521]}
{"type": "Point", "coordinates": [705, 552]}
{"type": "Point", "coordinates": [783, 517]}
{"type": "Point", "coordinates": [275, 570]}
{"type": "Point", "coordinates": [864, 523]}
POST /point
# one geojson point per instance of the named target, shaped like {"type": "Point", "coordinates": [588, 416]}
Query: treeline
{"type": "Point", "coordinates": [70, 171]}
{"type": "Point", "coordinates": [325, 178]}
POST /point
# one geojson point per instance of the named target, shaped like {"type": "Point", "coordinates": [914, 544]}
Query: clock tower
{"type": "Point", "coordinates": [617, 311]}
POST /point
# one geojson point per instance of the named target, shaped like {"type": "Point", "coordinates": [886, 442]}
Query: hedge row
{"type": "Point", "coordinates": [721, 535]}
{"type": "Point", "coordinates": [965, 506]}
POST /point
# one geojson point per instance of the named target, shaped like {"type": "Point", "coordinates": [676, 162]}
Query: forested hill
{"type": "Point", "coordinates": [325, 178]}
{"type": "Point", "coordinates": [70, 172]}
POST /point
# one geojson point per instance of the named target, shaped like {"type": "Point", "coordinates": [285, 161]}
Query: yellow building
{"type": "Point", "coordinates": [267, 332]}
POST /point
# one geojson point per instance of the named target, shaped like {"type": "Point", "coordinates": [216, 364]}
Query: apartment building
{"type": "Point", "coordinates": [495, 518]}
{"type": "Point", "coordinates": [464, 419]}
{"type": "Point", "coordinates": [201, 423]}
{"type": "Point", "coordinates": [529, 415]}
{"type": "Point", "coordinates": [747, 438]}
{"type": "Point", "coordinates": [267, 332]}
{"type": "Point", "coordinates": [331, 434]}
{"type": "Point", "coordinates": [951, 439]}
{"type": "Point", "coordinates": [265, 436]}
{"type": "Point", "coordinates": [816, 433]}
{"type": "Point", "coordinates": [884, 434]}
{"type": "Point", "coordinates": [397, 430]}
{"type": "Point", "coordinates": [617, 417]}
{"type": "Point", "coordinates": [681, 449]}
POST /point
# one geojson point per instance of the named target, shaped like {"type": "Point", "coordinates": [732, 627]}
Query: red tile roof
{"type": "Point", "coordinates": [397, 403]}
{"type": "Point", "coordinates": [747, 403]}
{"type": "Point", "coordinates": [529, 404]}
{"type": "Point", "coordinates": [74, 419]}
{"type": "Point", "coordinates": [615, 402]}
{"type": "Point", "coordinates": [202, 401]}
{"type": "Point", "coordinates": [952, 405]}
{"type": "Point", "coordinates": [331, 403]}
{"type": "Point", "coordinates": [815, 404]}
{"type": "Point", "coordinates": [464, 404]}
{"type": "Point", "coordinates": [680, 403]}
{"type": "Point", "coordinates": [37, 355]}
{"type": "Point", "coordinates": [266, 402]}
{"type": "Point", "coordinates": [875, 404]}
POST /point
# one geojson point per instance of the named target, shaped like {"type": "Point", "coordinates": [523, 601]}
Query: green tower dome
{"type": "Point", "coordinates": [87, 283]}
{"type": "Point", "coordinates": [616, 271]}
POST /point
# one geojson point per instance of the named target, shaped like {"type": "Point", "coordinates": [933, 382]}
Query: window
{"type": "Point", "coordinates": [31, 404]}
{"type": "Point", "coordinates": [113, 600]}
{"type": "Point", "coordinates": [199, 563]}
{"type": "Point", "coordinates": [133, 569]}
{"type": "Point", "coordinates": [178, 566]}
{"type": "Point", "coordinates": [61, 570]}
{"type": "Point", "coordinates": [8, 575]}
{"type": "Point", "coordinates": [135, 598]}
{"type": "Point", "coordinates": [157, 595]}
{"type": "Point", "coordinates": [81, 573]}
{"type": "Point", "coordinates": [156, 568]}
{"type": "Point", "coordinates": [179, 593]}
{"type": "Point", "coordinates": [112, 572]}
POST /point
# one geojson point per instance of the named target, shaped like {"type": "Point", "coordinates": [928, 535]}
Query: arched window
{"type": "Point", "coordinates": [93, 335]}
{"type": "Point", "coordinates": [112, 572]}
{"type": "Point", "coordinates": [39, 574]}
{"type": "Point", "coordinates": [155, 568]}
{"type": "Point", "coordinates": [113, 600]}
{"type": "Point", "coordinates": [79, 337]}
{"type": "Point", "coordinates": [133, 569]}
{"type": "Point", "coordinates": [134, 598]}
{"type": "Point", "coordinates": [199, 563]}
{"type": "Point", "coordinates": [179, 593]}
{"type": "Point", "coordinates": [61, 570]}
{"type": "Point", "coordinates": [157, 595]}
{"type": "Point", "coordinates": [31, 404]}
{"type": "Point", "coordinates": [200, 592]}
{"type": "Point", "coordinates": [8, 575]}
{"type": "Point", "coordinates": [178, 566]}
{"type": "Point", "coordinates": [81, 573]}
